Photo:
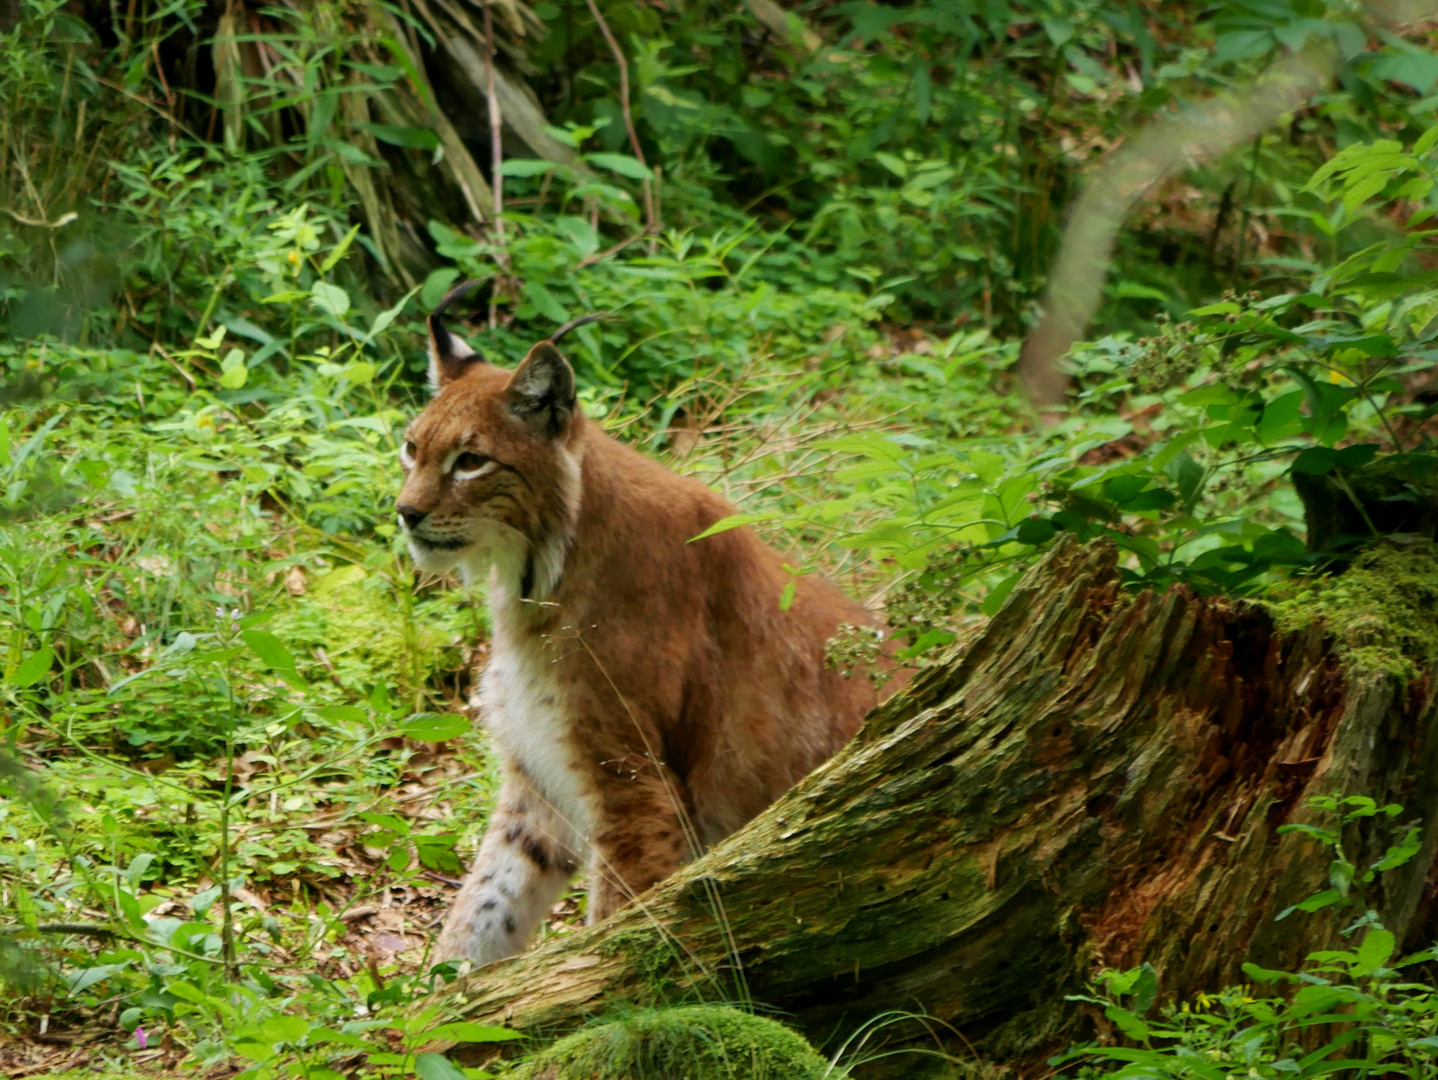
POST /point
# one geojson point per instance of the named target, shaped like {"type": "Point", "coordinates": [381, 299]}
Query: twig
{"type": "Point", "coordinates": [174, 364]}
{"type": "Point", "coordinates": [651, 221]}
{"type": "Point", "coordinates": [496, 143]}
{"type": "Point", "coordinates": [600, 256]}
{"type": "Point", "coordinates": [94, 930]}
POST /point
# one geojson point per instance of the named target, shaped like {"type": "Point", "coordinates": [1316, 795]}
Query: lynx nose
{"type": "Point", "coordinates": [411, 516]}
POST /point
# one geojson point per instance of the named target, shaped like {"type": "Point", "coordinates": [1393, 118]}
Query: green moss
{"type": "Point", "coordinates": [697, 1042]}
{"type": "Point", "coordinates": [1382, 611]}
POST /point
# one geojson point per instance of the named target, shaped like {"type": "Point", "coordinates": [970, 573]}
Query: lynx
{"type": "Point", "coordinates": [647, 694]}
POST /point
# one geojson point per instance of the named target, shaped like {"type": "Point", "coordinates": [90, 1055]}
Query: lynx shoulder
{"type": "Point", "coordinates": [647, 694]}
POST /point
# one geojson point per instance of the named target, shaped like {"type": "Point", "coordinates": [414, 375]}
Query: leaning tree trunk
{"type": "Point", "coordinates": [1096, 779]}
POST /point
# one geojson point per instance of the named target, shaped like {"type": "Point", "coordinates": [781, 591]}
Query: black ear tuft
{"type": "Point", "coordinates": [449, 357]}
{"type": "Point", "coordinates": [575, 324]}
{"type": "Point", "coordinates": [541, 391]}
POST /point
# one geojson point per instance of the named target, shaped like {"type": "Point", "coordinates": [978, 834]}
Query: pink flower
{"type": "Point", "coordinates": [140, 1037]}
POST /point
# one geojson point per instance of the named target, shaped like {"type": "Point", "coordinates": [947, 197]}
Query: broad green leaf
{"type": "Point", "coordinates": [1315, 461]}
{"type": "Point", "coordinates": [545, 302]}
{"type": "Point", "coordinates": [436, 285]}
{"type": "Point", "coordinates": [434, 727]}
{"type": "Point", "coordinates": [622, 164]}
{"type": "Point", "coordinates": [436, 1067]}
{"type": "Point", "coordinates": [34, 667]}
{"type": "Point", "coordinates": [522, 167]}
{"type": "Point", "coordinates": [1377, 948]}
{"type": "Point", "coordinates": [893, 163]}
{"type": "Point", "coordinates": [330, 299]}
{"type": "Point", "coordinates": [341, 714]}
{"type": "Point", "coordinates": [271, 652]}
{"type": "Point", "coordinates": [339, 578]}
{"type": "Point", "coordinates": [1127, 1022]}
{"type": "Point", "coordinates": [233, 372]}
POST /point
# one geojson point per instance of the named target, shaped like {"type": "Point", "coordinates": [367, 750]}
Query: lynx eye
{"type": "Point", "coordinates": [470, 465]}
{"type": "Point", "coordinates": [406, 454]}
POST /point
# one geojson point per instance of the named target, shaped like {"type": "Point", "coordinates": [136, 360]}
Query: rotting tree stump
{"type": "Point", "coordinates": [1096, 779]}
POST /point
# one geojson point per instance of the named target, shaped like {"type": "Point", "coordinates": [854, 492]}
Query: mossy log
{"type": "Point", "coordinates": [1096, 779]}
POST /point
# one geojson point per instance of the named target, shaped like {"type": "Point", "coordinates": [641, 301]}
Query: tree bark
{"type": "Point", "coordinates": [1095, 779]}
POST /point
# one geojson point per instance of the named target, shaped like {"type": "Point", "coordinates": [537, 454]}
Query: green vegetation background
{"type": "Point", "coordinates": [235, 765]}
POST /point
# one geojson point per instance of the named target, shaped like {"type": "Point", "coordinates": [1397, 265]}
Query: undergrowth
{"type": "Point", "coordinates": [239, 782]}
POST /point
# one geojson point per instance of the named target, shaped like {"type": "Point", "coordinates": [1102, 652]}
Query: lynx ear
{"type": "Point", "coordinates": [541, 391]}
{"type": "Point", "coordinates": [449, 358]}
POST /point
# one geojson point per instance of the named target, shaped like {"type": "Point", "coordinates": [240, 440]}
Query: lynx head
{"type": "Point", "coordinates": [492, 464]}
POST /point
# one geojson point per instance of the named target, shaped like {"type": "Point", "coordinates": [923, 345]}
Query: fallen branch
{"type": "Point", "coordinates": [1084, 784]}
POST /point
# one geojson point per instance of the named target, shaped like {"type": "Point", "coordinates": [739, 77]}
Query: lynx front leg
{"type": "Point", "coordinates": [525, 859]}
{"type": "Point", "coordinates": [644, 836]}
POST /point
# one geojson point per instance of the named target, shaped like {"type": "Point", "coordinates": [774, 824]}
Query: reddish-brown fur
{"type": "Point", "coordinates": [648, 694]}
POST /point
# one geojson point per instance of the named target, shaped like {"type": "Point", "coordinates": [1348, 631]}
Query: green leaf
{"type": "Point", "coordinates": [341, 714]}
{"type": "Point", "coordinates": [1281, 418]}
{"type": "Point", "coordinates": [1035, 530]}
{"type": "Point", "coordinates": [1315, 461]}
{"type": "Point", "coordinates": [1127, 1022]}
{"type": "Point", "coordinates": [436, 285]}
{"type": "Point", "coordinates": [1124, 487]}
{"type": "Point", "coordinates": [434, 727]}
{"type": "Point", "coordinates": [233, 372]}
{"type": "Point", "coordinates": [385, 318]}
{"type": "Point", "coordinates": [436, 1067]}
{"type": "Point", "coordinates": [330, 299]}
{"type": "Point", "coordinates": [34, 667]}
{"type": "Point", "coordinates": [544, 302]}
{"type": "Point", "coordinates": [339, 252]}
{"type": "Point", "coordinates": [1416, 68]}
{"type": "Point", "coordinates": [786, 596]}
{"type": "Point", "coordinates": [271, 652]}
{"type": "Point", "coordinates": [339, 578]}
{"type": "Point", "coordinates": [522, 167]}
{"type": "Point", "coordinates": [735, 521]}
{"type": "Point", "coordinates": [999, 594]}
{"type": "Point", "coordinates": [411, 138]}
{"type": "Point", "coordinates": [1377, 948]}
{"type": "Point", "coordinates": [893, 163]}
{"type": "Point", "coordinates": [472, 1033]}
{"type": "Point", "coordinates": [622, 164]}
{"type": "Point", "coordinates": [1226, 307]}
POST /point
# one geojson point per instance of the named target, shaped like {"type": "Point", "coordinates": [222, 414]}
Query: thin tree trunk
{"type": "Point", "coordinates": [1096, 779]}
